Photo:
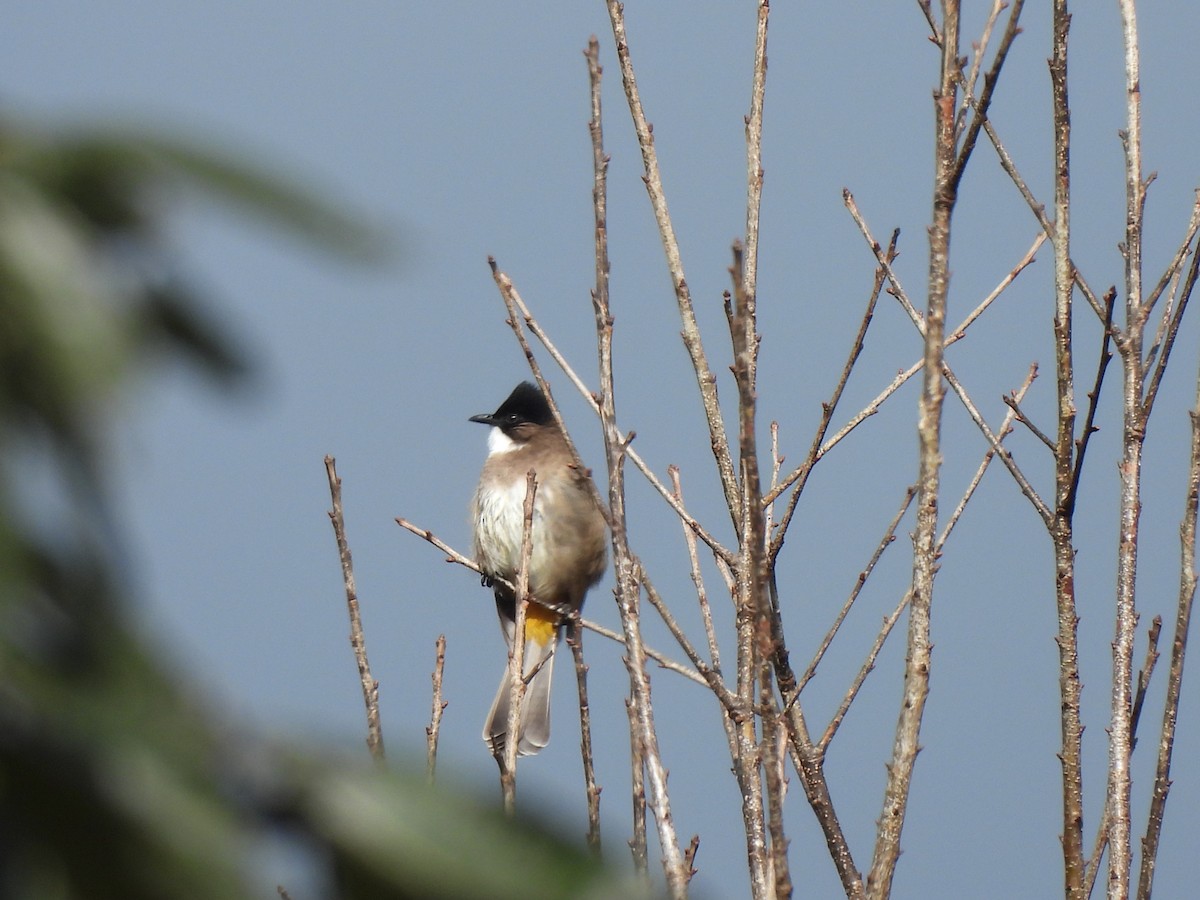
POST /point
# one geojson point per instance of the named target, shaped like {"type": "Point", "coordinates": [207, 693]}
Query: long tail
{"type": "Point", "coordinates": [534, 731]}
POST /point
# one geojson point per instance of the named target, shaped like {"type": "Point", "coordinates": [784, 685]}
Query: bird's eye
{"type": "Point", "coordinates": [513, 419]}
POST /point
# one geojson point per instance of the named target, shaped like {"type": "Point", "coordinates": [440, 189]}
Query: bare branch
{"type": "Point", "coordinates": [506, 755]}
{"type": "Point", "coordinates": [756, 626]}
{"type": "Point", "coordinates": [901, 295]}
{"type": "Point", "coordinates": [1002, 432]}
{"type": "Point", "coordinates": [689, 538]}
{"type": "Point", "coordinates": [1172, 329]}
{"type": "Point", "coordinates": [370, 687]}
{"type": "Point", "coordinates": [889, 535]}
{"type": "Point", "coordinates": [1133, 437]}
{"type": "Point", "coordinates": [705, 379]}
{"type": "Point", "coordinates": [647, 758]}
{"type": "Point", "coordinates": [979, 49]}
{"type": "Point", "coordinates": [817, 449]}
{"type": "Point", "coordinates": [435, 716]}
{"type": "Point", "coordinates": [1183, 618]}
{"type": "Point", "coordinates": [890, 621]}
{"type": "Point", "coordinates": [1006, 457]}
{"type": "Point", "coordinates": [1171, 276]}
{"type": "Point", "coordinates": [984, 100]}
{"type": "Point", "coordinates": [1144, 675]}
{"type": "Point", "coordinates": [711, 678]}
{"type": "Point", "coordinates": [453, 556]}
{"type": "Point", "coordinates": [1038, 209]}
{"type": "Point", "coordinates": [1089, 422]}
{"type": "Point", "coordinates": [574, 631]}
{"type": "Point", "coordinates": [754, 169]}
{"type": "Point", "coordinates": [917, 663]}
{"type": "Point", "coordinates": [1012, 404]}
{"type": "Point", "coordinates": [637, 785]}
{"type": "Point", "coordinates": [868, 666]}
{"type": "Point", "coordinates": [592, 790]}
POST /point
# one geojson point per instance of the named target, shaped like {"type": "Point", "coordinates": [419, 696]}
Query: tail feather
{"type": "Point", "coordinates": [534, 731]}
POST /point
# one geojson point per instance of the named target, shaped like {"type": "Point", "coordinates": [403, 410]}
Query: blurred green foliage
{"type": "Point", "coordinates": [114, 780]}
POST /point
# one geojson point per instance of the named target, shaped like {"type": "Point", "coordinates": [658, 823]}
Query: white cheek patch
{"type": "Point", "coordinates": [499, 442]}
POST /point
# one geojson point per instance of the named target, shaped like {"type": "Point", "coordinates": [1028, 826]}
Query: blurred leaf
{"type": "Point", "coordinates": [281, 202]}
{"type": "Point", "coordinates": [395, 836]}
{"type": "Point", "coordinates": [114, 180]}
{"type": "Point", "coordinates": [62, 342]}
{"type": "Point", "coordinates": [173, 318]}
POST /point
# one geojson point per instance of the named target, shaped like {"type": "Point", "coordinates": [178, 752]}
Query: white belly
{"type": "Point", "coordinates": [499, 521]}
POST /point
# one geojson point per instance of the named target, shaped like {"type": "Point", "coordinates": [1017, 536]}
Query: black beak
{"type": "Point", "coordinates": [483, 419]}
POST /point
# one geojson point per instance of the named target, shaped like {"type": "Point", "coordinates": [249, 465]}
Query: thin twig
{"type": "Point", "coordinates": [506, 755]}
{"type": "Point", "coordinates": [574, 631]}
{"type": "Point", "coordinates": [370, 687]}
{"type": "Point", "coordinates": [710, 633]}
{"type": "Point", "coordinates": [592, 790]}
{"type": "Point", "coordinates": [1089, 422]}
{"type": "Point", "coordinates": [890, 621]}
{"type": "Point", "coordinates": [712, 678]}
{"type": "Point", "coordinates": [983, 101]}
{"type": "Point", "coordinates": [954, 335]}
{"type": "Point", "coordinates": [689, 855]}
{"type": "Point", "coordinates": [1011, 403]}
{"type": "Point", "coordinates": [1144, 675]}
{"type": "Point", "coordinates": [435, 717]}
{"type": "Point", "coordinates": [980, 51]}
{"type": "Point", "coordinates": [867, 667]}
{"type": "Point", "coordinates": [453, 556]}
{"type": "Point", "coordinates": [647, 757]}
{"type": "Point", "coordinates": [705, 379]}
{"type": "Point", "coordinates": [1170, 276]}
{"type": "Point", "coordinates": [1172, 330]}
{"type": "Point", "coordinates": [918, 321]}
{"type": "Point", "coordinates": [1002, 432]}
{"type": "Point", "coordinates": [818, 448]}
{"type": "Point", "coordinates": [689, 538]}
{"type": "Point", "coordinates": [1183, 618]}
{"type": "Point", "coordinates": [889, 535]}
{"type": "Point", "coordinates": [637, 786]}
{"type": "Point", "coordinates": [906, 743]}
{"type": "Point", "coordinates": [1092, 867]}
{"type": "Point", "coordinates": [755, 625]}
{"type": "Point", "coordinates": [1129, 345]}
{"type": "Point", "coordinates": [1005, 455]}
{"type": "Point", "coordinates": [1038, 209]}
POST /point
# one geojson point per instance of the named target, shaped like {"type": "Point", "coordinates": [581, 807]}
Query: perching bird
{"type": "Point", "coordinates": [568, 548]}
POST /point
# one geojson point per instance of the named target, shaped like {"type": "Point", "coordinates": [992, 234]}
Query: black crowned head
{"type": "Point", "coordinates": [524, 406]}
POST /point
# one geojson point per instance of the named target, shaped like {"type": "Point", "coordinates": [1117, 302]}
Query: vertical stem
{"type": "Point", "coordinates": [637, 785]}
{"type": "Point", "coordinates": [435, 716]}
{"type": "Point", "coordinates": [647, 760]}
{"type": "Point", "coordinates": [755, 646]}
{"type": "Point", "coordinates": [1133, 437]}
{"type": "Point", "coordinates": [506, 756]}
{"type": "Point", "coordinates": [768, 757]}
{"type": "Point", "coordinates": [1183, 618]}
{"type": "Point", "coordinates": [916, 669]}
{"type": "Point", "coordinates": [575, 642]}
{"type": "Point", "coordinates": [370, 687]}
{"type": "Point", "coordinates": [705, 379]}
{"type": "Point", "coordinates": [754, 169]}
{"type": "Point", "coordinates": [1062, 526]}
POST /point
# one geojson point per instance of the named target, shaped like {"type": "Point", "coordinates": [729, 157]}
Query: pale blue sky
{"type": "Point", "coordinates": [462, 126]}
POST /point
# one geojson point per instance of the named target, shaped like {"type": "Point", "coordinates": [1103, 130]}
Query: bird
{"type": "Point", "coordinates": [569, 554]}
